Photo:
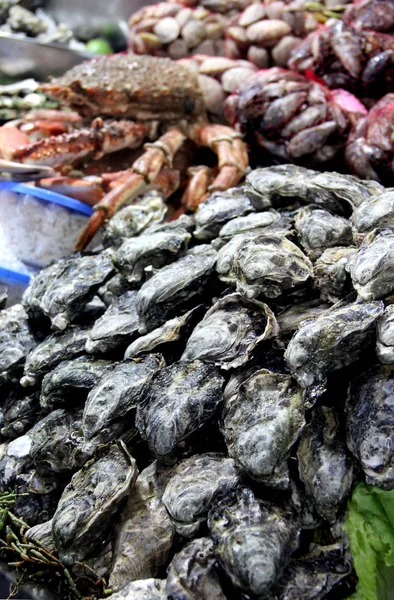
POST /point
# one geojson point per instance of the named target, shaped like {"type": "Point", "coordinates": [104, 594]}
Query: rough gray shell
{"type": "Point", "coordinates": [194, 483]}
{"type": "Point", "coordinates": [144, 589]}
{"type": "Point", "coordinates": [331, 341]}
{"type": "Point", "coordinates": [260, 424]}
{"type": "Point", "coordinates": [179, 399]}
{"type": "Point", "coordinates": [318, 229]}
{"type": "Point", "coordinates": [116, 394]}
{"type": "Point", "coordinates": [219, 208]}
{"type": "Point", "coordinates": [165, 294]}
{"type": "Point", "coordinates": [331, 275]}
{"type": "Point", "coordinates": [252, 541]}
{"type": "Point", "coordinates": [385, 336]}
{"type": "Point", "coordinates": [155, 249]}
{"type": "Point", "coordinates": [377, 211]}
{"type": "Point", "coordinates": [370, 424]}
{"type": "Point", "coordinates": [291, 318]}
{"type": "Point", "coordinates": [42, 534]}
{"type": "Point", "coordinates": [19, 412]}
{"type": "Point", "coordinates": [90, 501]}
{"type": "Point", "coordinates": [16, 341]}
{"type": "Point", "coordinates": [254, 223]}
{"type": "Point", "coordinates": [193, 573]}
{"type": "Point", "coordinates": [371, 269]}
{"type": "Point", "coordinates": [116, 327]}
{"type": "Point", "coordinates": [230, 331]}
{"type": "Point", "coordinates": [324, 463]}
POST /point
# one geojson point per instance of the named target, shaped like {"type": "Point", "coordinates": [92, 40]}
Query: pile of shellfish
{"type": "Point", "coordinates": [186, 409]}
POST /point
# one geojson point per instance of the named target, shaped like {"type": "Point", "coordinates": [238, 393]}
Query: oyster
{"type": "Point", "coordinates": [291, 318]}
{"type": "Point", "coordinates": [260, 422]}
{"type": "Point", "coordinates": [226, 253]}
{"type": "Point", "coordinates": [318, 230]}
{"type": "Point", "coordinates": [20, 412]}
{"type": "Point", "coordinates": [69, 383]}
{"type": "Point", "coordinates": [230, 331]}
{"type": "Point", "coordinates": [370, 424]}
{"type": "Point", "coordinates": [371, 269]}
{"type": "Point", "coordinates": [376, 211]}
{"type": "Point", "coordinates": [324, 463]}
{"type": "Point", "coordinates": [219, 208]}
{"type": "Point", "coordinates": [116, 394]}
{"type": "Point", "coordinates": [331, 274]}
{"type": "Point", "coordinates": [16, 341]}
{"type": "Point", "coordinates": [193, 485]}
{"type": "Point", "coordinates": [89, 502]}
{"type": "Point", "coordinates": [331, 341]}
{"type": "Point", "coordinates": [42, 534]}
{"type": "Point", "coordinates": [55, 348]}
{"type": "Point", "coordinates": [144, 589]}
{"type": "Point", "coordinates": [155, 249]}
{"type": "Point", "coordinates": [179, 399]}
{"type": "Point", "coordinates": [252, 540]}
{"type": "Point", "coordinates": [254, 222]}
{"type": "Point", "coordinates": [116, 327]}
{"type": "Point", "coordinates": [115, 286]}
{"type": "Point", "coordinates": [146, 534]}
{"type": "Point", "coordinates": [385, 336]}
{"type": "Point", "coordinates": [60, 290]}
{"type": "Point", "coordinates": [172, 288]}
{"type": "Point", "coordinates": [193, 573]}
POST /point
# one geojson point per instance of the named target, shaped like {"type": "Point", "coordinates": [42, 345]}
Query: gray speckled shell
{"type": "Point", "coordinates": [155, 249]}
{"type": "Point", "coordinates": [331, 275]}
{"type": "Point", "coordinates": [230, 331]}
{"type": "Point", "coordinates": [42, 534]}
{"type": "Point", "coordinates": [16, 341]}
{"type": "Point", "coordinates": [20, 412]}
{"type": "Point", "coordinates": [331, 341]}
{"type": "Point", "coordinates": [371, 269]}
{"type": "Point", "coordinates": [144, 589]}
{"type": "Point", "coordinates": [164, 294]}
{"type": "Point", "coordinates": [263, 221]}
{"type": "Point", "coordinates": [252, 541]}
{"type": "Point", "coordinates": [225, 257]}
{"type": "Point", "coordinates": [146, 534]}
{"type": "Point", "coordinates": [385, 336]}
{"type": "Point", "coordinates": [89, 502]}
{"type": "Point", "coordinates": [192, 574]}
{"type": "Point", "coordinates": [377, 211]}
{"type": "Point", "coordinates": [219, 208]}
{"type": "Point", "coordinates": [261, 422]}
{"type": "Point", "coordinates": [179, 399]}
{"type": "Point", "coordinates": [116, 394]}
{"type": "Point", "coordinates": [291, 318]}
{"type": "Point", "coordinates": [370, 424]}
{"type": "Point", "coordinates": [318, 229]}
{"type": "Point", "coordinates": [324, 463]}
{"type": "Point", "coordinates": [195, 481]}
{"type": "Point", "coordinates": [116, 326]}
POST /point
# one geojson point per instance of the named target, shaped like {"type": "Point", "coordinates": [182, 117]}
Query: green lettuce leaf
{"type": "Point", "coordinates": [370, 526]}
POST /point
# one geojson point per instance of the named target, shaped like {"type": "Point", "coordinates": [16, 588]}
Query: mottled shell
{"type": "Point", "coordinates": [385, 336]}
{"type": "Point", "coordinates": [19, 412]}
{"type": "Point", "coordinates": [42, 534]}
{"type": "Point", "coordinates": [331, 275]}
{"type": "Point", "coordinates": [370, 424]}
{"type": "Point", "coordinates": [230, 331]}
{"type": "Point", "coordinates": [377, 211]}
{"type": "Point", "coordinates": [291, 318]}
{"type": "Point", "coordinates": [254, 222]}
{"type": "Point", "coordinates": [371, 269]}
{"type": "Point", "coordinates": [260, 424]}
{"type": "Point", "coordinates": [218, 209]}
{"type": "Point", "coordinates": [252, 541]}
{"type": "Point", "coordinates": [194, 483]}
{"type": "Point", "coordinates": [16, 341]}
{"type": "Point", "coordinates": [318, 229]}
{"type": "Point", "coordinates": [331, 341]}
{"type": "Point", "coordinates": [144, 589]}
{"type": "Point", "coordinates": [90, 501]}
{"type": "Point", "coordinates": [324, 463]}
{"type": "Point", "coordinates": [178, 401]}
{"type": "Point", "coordinates": [193, 573]}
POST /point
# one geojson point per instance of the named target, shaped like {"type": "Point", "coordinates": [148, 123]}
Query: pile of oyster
{"type": "Point", "coordinates": [187, 409]}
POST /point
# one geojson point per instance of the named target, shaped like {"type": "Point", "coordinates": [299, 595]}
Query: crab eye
{"type": "Point", "coordinates": [189, 105]}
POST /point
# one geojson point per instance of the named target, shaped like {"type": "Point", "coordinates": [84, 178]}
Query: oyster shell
{"type": "Point", "coordinates": [324, 464]}
{"type": "Point", "coordinates": [42, 534]}
{"type": "Point", "coordinates": [116, 326]}
{"type": "Point", "coordinates": [376, 211]}
{"type": "Point", "coordinates": [116, 394]}
{"type": "Point", "coordinates": [371, 269]}
{"type": "Point", "coordinates": [260, 423]}
{"type": "Point", "coordinates": [254, 223]}
{"type": "Point", "coordinates": [318, 230]}
{"type": "Point", "coordinates": [331, 274]}
{"type": "Point", "coordinates": [331, 341]}
{"type": "Point", "coordinates": [291, 318]}
{"type": "Point", "coordinates": [230, 331]}
{"type": "Point", "coordinates": [112, 288]}
{"type": "Point", "coordinates": [20, 412]}
{"type": "Point", "coordinates": [144, 589]}
{"type": "Point", "coordinates": [172, 288]}
{"type": "Point", "coordinates": [370, 424]}
{"type": "Point", "coordinates": [60, 290]}
{"type": "Point", "coordinates": [69, 383]}
{"type": "Point", "coordinates": [146, 534]}
{"type": "Point", "coordinates": [252, 540]}
{"type": "Point", "coordinates": [155, 249]}
{"type": "Point", "coordinates": [219, 208]}
{"type": "Point", "coordinates": [193, 573]}
{"type": "Point", "coordinates": [54, 349]}
{"type": "Point", "coordinates": [89, 502]}
{"type": "Point", "coordinates": [179, 399]}
{"type": "Point", "coordinates": [16, 341]}
{"type": "Point", "coordinates": [385, 336]}
{"type": "Point", "coordinates": [193, 485]}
